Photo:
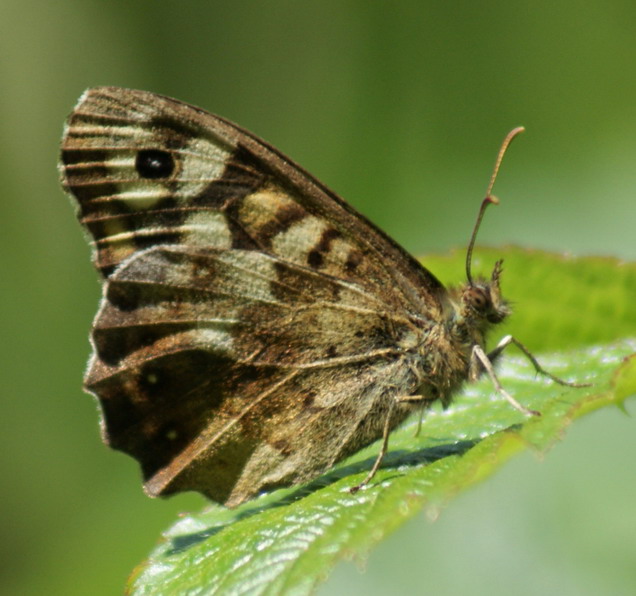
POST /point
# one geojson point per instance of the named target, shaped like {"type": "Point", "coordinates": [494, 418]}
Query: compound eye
{"type": "Point", "coordinates": [478, 299]}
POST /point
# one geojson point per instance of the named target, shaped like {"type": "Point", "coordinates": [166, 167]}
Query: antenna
{"type": "Point", "coordinates": [489, 198]}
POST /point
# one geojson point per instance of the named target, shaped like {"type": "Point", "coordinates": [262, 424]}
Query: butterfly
{"type": "Point", "coordinates": [254, 328]}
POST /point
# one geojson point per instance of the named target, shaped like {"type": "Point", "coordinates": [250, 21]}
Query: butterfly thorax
{"type": "Point", "coordinates": [470, 312]}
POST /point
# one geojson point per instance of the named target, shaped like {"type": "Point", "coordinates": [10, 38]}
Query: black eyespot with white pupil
{"type": "Point", "coordinates": [154, 163]}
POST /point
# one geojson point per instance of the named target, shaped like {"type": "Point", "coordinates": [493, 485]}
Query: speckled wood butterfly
{"type": "Point", "coordinates": [254, 328]}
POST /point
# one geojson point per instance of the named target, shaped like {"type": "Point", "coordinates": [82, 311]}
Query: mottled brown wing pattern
{"type": "Point", "coordinates": [244, 304]}
{"type": "Point", "coordinates": [209, 367]}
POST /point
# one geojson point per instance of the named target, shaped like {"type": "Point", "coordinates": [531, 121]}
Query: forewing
{"type": "Point", "coordinates": [227, 189]}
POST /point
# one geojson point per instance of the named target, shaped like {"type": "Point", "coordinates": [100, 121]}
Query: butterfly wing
{"type": "Point", "coordinates": [254, 327]}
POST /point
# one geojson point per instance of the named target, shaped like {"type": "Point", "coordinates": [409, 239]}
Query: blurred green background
{"type": "Point", "coordinates": [398, 106]}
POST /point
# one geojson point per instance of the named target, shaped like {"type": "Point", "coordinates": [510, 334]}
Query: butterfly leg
{"type": "Point", "coordinates": [484, 360]}
{"type": "Point", "coordinates": [385, 438]}
{"type": "Point", "coordinates": [424, 403]}
{"type": "Point", "coordinates": [508, 339]}
{"type": "Point", "coordinates": [385, 445]}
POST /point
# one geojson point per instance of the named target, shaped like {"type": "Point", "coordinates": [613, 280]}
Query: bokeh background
{"type": "Point", "coordinates": [398, 106]}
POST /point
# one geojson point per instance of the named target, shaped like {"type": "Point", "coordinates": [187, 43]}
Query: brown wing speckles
{"type": "Point", "coordinates": [267, 214]}
{"type": "Point", "coordinates": [148, 178]}
{"type": "Point", "coordinates": [277, 222]}
{"type": "Point", "coordinates": [242, 175]}
{"type": "Point", "coordinates": [266, 442]}
{"type": "Point", "coordinates": [316, 256]}
{"type": "Point", "coordinates": [254, 328]}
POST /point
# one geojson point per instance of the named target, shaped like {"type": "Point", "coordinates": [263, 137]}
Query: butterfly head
{"type": "Point", "coordinates": [475, 308]}
{"type": "Point", "coordinates": [482, 302]}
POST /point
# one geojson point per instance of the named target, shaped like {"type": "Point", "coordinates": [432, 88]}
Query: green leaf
{"type": "Point", "coordinates": [577, 315]}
